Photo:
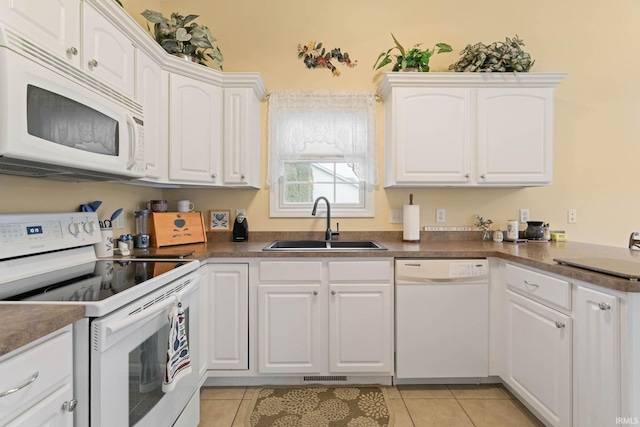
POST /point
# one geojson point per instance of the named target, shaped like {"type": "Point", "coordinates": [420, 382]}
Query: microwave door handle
{"type": "Point", "coordinates": [133, 137]}
{"type": "Point", "coordinates": [135, 318]}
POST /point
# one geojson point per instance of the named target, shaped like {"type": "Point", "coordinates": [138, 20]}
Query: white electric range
{"type": "Point", "coordinates": [120, 347]}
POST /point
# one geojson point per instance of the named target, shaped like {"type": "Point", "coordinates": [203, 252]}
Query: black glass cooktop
{"type": "Point", "coordinates": [94, 281]}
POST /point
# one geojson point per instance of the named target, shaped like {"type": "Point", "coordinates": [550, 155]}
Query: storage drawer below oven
{"type": "Point", "coordinates": [50, 362]}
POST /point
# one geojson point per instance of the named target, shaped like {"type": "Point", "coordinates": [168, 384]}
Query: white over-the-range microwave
{"type": "Point", "coordinates": [57, 121]}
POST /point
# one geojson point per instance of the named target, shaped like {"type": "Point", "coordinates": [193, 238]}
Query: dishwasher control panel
{"type": "Point", "coordinates": [441, 270]}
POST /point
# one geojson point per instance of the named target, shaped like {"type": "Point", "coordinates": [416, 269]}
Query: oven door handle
{"type": "Point", "coordinates": [150, 312]}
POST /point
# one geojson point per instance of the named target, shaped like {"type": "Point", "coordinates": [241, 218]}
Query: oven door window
{"type": "Point", "coordinates": [63, 121]}
{"type": "Point", "coordinates": [147, 364]}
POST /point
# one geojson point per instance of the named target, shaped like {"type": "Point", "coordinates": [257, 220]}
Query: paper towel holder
{"type": "Point", "coordinates": [405, 230]}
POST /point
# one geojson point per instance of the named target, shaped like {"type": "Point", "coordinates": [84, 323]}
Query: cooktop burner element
{"type": "Point", "coordinates": [615, 267]}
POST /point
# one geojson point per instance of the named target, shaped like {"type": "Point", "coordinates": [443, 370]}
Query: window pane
{"type": "Point", "coordinates": [344, 172]}
{"type": "Point", "coordinates": [348, 193]}
{"type": "Point", "coordinates": [325, 190]}
{"type": "Point", "coordinates": [297, 193]}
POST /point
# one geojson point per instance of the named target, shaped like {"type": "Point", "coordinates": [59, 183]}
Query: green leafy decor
{"type": "Point", "coordinates": [505, 56]}
{"type": "Point", "coordinates": [414, 58]}
{"type": "Point", "coordinates": [180, 35]}
{"type": "Point", "coordinates": [316, 56]}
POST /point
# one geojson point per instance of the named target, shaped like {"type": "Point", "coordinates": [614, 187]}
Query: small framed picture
{"type": "Point", "coordinates": [219, 220]}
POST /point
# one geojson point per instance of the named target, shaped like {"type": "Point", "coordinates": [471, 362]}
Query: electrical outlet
{"type": "Point", "coordinates": [240, 212]}
{"type": "Point", "coordinates": [395, 216]}
{"type": "Point", "coordinates": [524, 216]}
{"type": "Point", "coordinates": [572, 216]}
{"type": "Point", "coordinates": [440, 215]}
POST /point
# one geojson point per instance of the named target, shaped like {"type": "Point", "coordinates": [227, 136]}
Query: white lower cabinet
{"type": "Point", "coordinates": [597, 358]}
{"type": "Point", "coordinates": [539, 357]}
{"type": "Point", "coordinates": [290, 328]}
{"type": "Point", "coordinates": [39, 381]}
{"type": "Point", "coordinates": [227, 317]}
{"type": "Point", "coordinates": [325, 316]}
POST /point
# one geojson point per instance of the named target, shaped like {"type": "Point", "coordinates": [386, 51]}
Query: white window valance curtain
{"type": "Point", "coordinates": [308, 124]}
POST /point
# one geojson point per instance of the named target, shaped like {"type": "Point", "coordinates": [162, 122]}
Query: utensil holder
{"type": "Point", "coordinates": [104, 249]}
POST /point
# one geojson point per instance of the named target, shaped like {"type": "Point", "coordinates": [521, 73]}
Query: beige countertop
{"type": "Point", "coordinates": [21, 324]}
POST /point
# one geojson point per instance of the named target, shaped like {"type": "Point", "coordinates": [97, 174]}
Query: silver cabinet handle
{"type": "Point", "coordinates": [559, 325]}
{"type": "Point", "coordinates": [72, 51]}
{"type": "Point", "coordinates": [604, 306]}
{"type": "Point", "coordinates": [70, 405]}
{"type": "Point", "coordinates": [315, 292]}
{"type": "Point", "coordinates": [466, 175]}
{"type": "Point", "coordinates": [483, 176]}
{"type": "Point", "coordinates": [214, 175]}
{"type": "Point", "coordinates": [21, 386]}
{"type": "Point", "coordinates": [333, 292]}
{"type": "Point", "coordinates": [242, 176]}
{"type": "Point", "coordinates": [533, 285]}
{"type": "Point", "coordinates": [93, 63]}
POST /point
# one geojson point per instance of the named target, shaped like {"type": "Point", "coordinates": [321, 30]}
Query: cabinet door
{"type": "Point", "coordinates": [290, 332]}
{"type": "Point", "coordinates": [360, 328]}
{"type": "Point", "coordinates": [53, 24]}
{"type": "Point", "coordinates": [49, 412]}
{"type": "Point", "coordinates": [538, 357]}
{"type": "Point", "coordinates": [107, 52]}
{"type": "Point", "coordinates": [228, 316]}
{"type": "Point", "coordinates": [515, 135]}
{"type": "Point", "coordinates": [432, 135]}
{"type": "Point", "coordinates": [152, 89]}
{"type": "Point", "coordinates": [195, 131]}
{"type": "Point", "coordinates": [241, 138]}
{"type": "Point", "coordinates": [597, 358]}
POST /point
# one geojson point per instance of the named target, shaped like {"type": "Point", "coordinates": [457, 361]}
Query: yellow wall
{"type": "Point", "coordinates": [597, 107]}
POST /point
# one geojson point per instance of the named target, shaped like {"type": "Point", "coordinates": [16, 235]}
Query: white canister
{"type": "Point", "coordinates": [497, 236]}
{"type": "Point", "coordinates": [512, 230]}
{"type": "Point", "coordinates": [104, 249]}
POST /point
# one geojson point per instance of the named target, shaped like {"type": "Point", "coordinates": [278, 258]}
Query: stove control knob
{"type": "Point", "coordinates": [74, 229]}
{"type": "Point", "coordinates": [89, 226]}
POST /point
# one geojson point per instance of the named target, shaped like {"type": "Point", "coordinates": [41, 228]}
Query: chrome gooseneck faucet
{"type": "Point", "coordinates": [328, 233]}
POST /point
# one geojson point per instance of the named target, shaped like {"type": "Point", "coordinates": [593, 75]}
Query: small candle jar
{"type": "Point", "coordinates": [497, 236]}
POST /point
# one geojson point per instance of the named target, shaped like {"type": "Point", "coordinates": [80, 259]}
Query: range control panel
{"type": "Point", "coordinates": [29, 234]}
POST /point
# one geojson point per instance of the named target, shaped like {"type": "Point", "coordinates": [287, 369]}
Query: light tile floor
{"type": "Point", "coordinates": [413, 406]}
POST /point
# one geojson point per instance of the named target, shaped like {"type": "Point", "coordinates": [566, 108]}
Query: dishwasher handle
{"type": "Point", "coordinates": [413, 280]}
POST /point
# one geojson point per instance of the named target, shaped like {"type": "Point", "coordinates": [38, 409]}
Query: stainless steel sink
{"type": "Point", "coordinates": [324, 245]}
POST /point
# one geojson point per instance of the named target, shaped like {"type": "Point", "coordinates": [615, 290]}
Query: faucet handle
{"type": "Point", "coordinates": [337, 232]}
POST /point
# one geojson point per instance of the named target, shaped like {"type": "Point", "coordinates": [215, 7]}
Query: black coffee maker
{"type": "Point", "coordinates": [240, 229]}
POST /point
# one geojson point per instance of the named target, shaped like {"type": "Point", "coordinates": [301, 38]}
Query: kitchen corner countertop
{"type": "Point", "coordinates": [22, 324]}
{"type": "Point", "coordinates": [539, 255]}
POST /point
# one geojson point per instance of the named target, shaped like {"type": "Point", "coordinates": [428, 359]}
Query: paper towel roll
{"type": "Point", "coordinates": [411, 220]}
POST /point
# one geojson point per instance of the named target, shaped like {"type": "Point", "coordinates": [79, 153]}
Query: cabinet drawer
{"type": "Point", "coordinates": [52, 361]}
{"type": "Point", "coordinates": [544, 287]}
{"type": "Point", "coordinates": [360, 271]}
{"type": "Point", "coordinates": [290, 271]}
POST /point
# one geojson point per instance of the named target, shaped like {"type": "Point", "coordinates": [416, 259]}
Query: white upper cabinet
{"type": "Point", "coordinates": [515, 135]}
{"type": "Point", "coordinates": [241, 137]}
{"type": "Point", "coordinates": [53, 24]}
{"type": "Point", "coordinates": [60, 33]}
{"type": "Point", "coordinates": [107, 53]}
{"type": "Point", "coordinates": [195, 135]}
{"type": "Point", "coordinates": [152, 84]}
{"type": "Point", "coordinates": [432, 131]}
{"type": "Point", "coordinates": [468, 129]}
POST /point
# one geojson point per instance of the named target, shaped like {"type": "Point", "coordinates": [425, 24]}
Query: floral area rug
{"type": "Point", "coordinates": [320, 407]}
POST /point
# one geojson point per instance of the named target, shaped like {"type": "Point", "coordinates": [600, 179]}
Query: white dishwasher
{"type": "Point", "coordinates": [442, 318]}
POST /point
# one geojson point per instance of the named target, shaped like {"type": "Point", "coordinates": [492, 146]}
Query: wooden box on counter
{"type": "Point", "coordinates": [176, 228]}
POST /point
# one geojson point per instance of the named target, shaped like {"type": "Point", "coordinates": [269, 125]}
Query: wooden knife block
{"type": "Point", "coordinates": [176, 228]}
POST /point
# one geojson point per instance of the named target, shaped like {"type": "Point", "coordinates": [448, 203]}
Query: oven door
{"type": "Point", "coordinates": [129, 355]}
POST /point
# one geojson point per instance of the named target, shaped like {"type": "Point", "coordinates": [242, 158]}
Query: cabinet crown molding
{"type": "Point", "coordinates": [468, 80]}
